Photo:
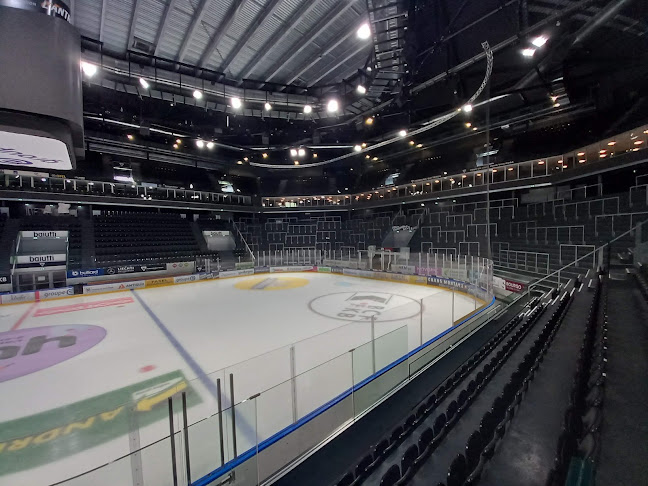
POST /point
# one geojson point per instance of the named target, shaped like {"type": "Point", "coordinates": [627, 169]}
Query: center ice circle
{"type": "Point", "coordinates": [361, 306]}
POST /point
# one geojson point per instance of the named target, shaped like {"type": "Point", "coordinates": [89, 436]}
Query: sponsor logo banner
{"type": "Point", "coordinates": [324, 269]}
{"type": "Point", "coordinates": [407, 269]}
{"type": "Point", "coordinates": [32, 441]}
{"type": "Point", "coordinates": [48, 311]}
{"type": "Point", "coordinates": [297, 268]}
{"type": "Point", "coordinates": [44, 234]}
{"type": "Point", "coordinates": [113, 287]}
{"type": "Point", "coordinates": [244, 265]}
{"type": "Point", "coordinates": [180, 265]}
{"type": "Point", "coordinates": [33, 151]}
{"type": "Point", "coordinates": [20, 297]}
{"type": "Point", "coordinates": [338, 270]}
{"type": "Point", "coordinates": [157, 282]}
{"type": "Point", "coordinates": [429, 271]}
{"type": "Point", "coordinates": [38, 259]}
{"type": "Point", "coordinates": [236, 273]}
{"type": "Point", "coordinates": [212, 234]}
{"type": "Point", "coordinates": [4, 279]}
{"type": "Point", "coordinates": [185, 279]}
{"type": "Point", "coordinates": [207, 276]}
{"type": "Point", "coordinates": [417, 279]}
{"type": "Point", "coordinates": [508, 285]}
{"type": "Point", "coordinates": [261, 269]}
{"type": "Point", "coordinates": [404, 227]}
{"type": "Point", "coordinates": [54, 293]}
{"type": "Point", "coordinates": [448, 283]}
{"type": "Point", "coordinates": [123, 269]}
{"type": "Point", "coordinates": [95, 272]}
{"type": "Point", "coordinates": [358, 273]}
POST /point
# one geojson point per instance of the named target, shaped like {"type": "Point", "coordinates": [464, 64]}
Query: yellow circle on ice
{"type": "Point", "coordinates": [271, 283]}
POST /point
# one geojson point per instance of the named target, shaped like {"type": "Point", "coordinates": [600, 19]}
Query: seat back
{"type": "Point", "coordinates": [391, 476]}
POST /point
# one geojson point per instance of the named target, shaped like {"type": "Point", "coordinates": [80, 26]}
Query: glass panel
{"type": "Point", "coordinates": [156, 464]}
{"type": "Point", "coordinates": [319, 385]}
{"type": "Point", "coordinates": [118, 472]}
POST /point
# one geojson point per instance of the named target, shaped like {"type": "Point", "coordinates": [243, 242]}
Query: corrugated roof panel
{"type": "Point", "coordinates": [294, 37]}
{"type": "Point", "coordinates": [149, 19]}
{"type": "Point", "coordinates": [245, 17]}
{"type": "Point", "coordinates": [87, 17]}
{"type": "Point", "coordinates": [266, 30]}
{"type": "Point", "coordinates": [213, 15]}
{"type": "Point", "coordinates": [117, 20]}
{"type": "Point", "coordinates": [179, 21]}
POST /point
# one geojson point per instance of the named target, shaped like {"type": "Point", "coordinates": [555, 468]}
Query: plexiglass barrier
{"type": "Point", "coordinates": [247, 422]}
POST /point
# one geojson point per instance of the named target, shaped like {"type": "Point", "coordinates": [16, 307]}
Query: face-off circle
{"type": "Point", "coordinates": [362, 306]}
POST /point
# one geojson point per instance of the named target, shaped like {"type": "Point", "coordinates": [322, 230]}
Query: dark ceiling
{"type": "Point", "coordinates": [426, 60]}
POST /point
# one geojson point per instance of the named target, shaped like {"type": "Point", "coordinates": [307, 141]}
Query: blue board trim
{"type": "Point", "coordinates": [227, 467]}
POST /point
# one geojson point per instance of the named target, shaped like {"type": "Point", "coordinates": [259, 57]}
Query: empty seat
{"type": "Point", "coordinates": [391, 476]}
{"type": "Point", "coordinates": [457, 471]}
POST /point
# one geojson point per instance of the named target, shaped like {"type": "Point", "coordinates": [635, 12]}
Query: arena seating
{"type": "Point", "coordinates": [460, 433]}
{"type": "Point", "coordinates": [144, 237]}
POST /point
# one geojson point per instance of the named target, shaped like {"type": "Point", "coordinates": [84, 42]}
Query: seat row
{"type": "Point", "coordinates": [467, 467]}
{"type": "Point", "coordinates": [579, 441]}
{"type": "Point", "coordinates": [388, 444]}
{"type": "Point", "coordinates": [463, 466]}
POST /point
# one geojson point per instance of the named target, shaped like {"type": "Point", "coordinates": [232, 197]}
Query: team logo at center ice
{"type": "Point", "coordinates": [363, 306]}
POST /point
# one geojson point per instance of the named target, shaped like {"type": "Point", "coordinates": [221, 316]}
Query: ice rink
{"type": "Point", "coordinates": [85, 380]}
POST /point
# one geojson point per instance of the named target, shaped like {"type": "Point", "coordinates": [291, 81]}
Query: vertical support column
{"type": "Point", "coordinates": [174, 467]}
{"type": "Point", "coordinates": [453, 306]}
{"type": "Point", "coordinates": [231, 380]}
{"type": "Point", "coordinates": [421, 324]}
{"type": "Point", "coordinates": [219, 404]}
{"type": "Point", "coordinates": [373, 343]}
{"type": "Point", "coordinates": [293, 384]}
{"type": "Point", "coordinates": [186, 436]}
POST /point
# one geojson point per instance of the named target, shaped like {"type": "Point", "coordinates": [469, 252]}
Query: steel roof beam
{"type": "Point", "coordinates": [306, 39]}
{"type": "Point", "coordinates": [249, 32]}
{"type": "Point", "coordinates": [193, 27]}
{"type": "Point", "coordinates": [339, 62]}
{"type": "Point", "coordinates": [275, 39]}
{"type": "Point", "coordinates": [164, 25]}
{"type": "Point", "coordinates": [224, 26]}
{"type": "Point", "coordinates": [133, 21]}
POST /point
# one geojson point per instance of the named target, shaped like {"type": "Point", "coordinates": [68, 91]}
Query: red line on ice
{"type": "Point", "coordinates": [23, 317]}
{"type": "Point", "coordinates": [48, 311]}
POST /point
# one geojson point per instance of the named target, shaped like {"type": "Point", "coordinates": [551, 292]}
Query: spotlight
{"type": "Point", "coordinates": [296, 162]}
{"type": "Point", "coordinates": [357, 148]}
{"type": "Point", "coordinates": [267, 106]}
{"type": "Point", "coordinates": [88, 69]}
{"type": "Point", "coordinates": [375, 159]}
{"type": "Point", "coordinates": [210, 145]}
{"type": "Point", "coordinates": [245, 159]}
{"type": "Point", "coordinates": [528, 52]}
{"type": "Point", "coordinates": [144, 83]}
{"type": "Point", "coordinates": [175, 145]}
{"type": "Point", "coordinates": [361, 89]}
{"type": "Point", "coordinates": [197, 94]}
{"type": "Point", "coordinates": [411, 142]}
{"type": "Point", "coordinates": [301, 152]}
{"type": "Point", "coordinates": [468, 124]}
{"type": "Point", "coordinates": [200, 144]}
{"type": "Point", "coordinates": [402, 133]}
{"type": "Point", "coordinates": [539, 41]}
{"type": "Point", "coordinates": [332, 106]}
{"type": "Point", "coordinates": [190, 186]}
{"type": "Point", "coordinates": [308, 109]}
{"type": "Point", "coordinates": [364, 31]}
{"type": "Point", "coordinates": [293, 152]}
{"type": "Point", "coordinates": [367, 156]}
{"type": "Point", "coordinates": [420, 145]}
{"type": "Point", "coordinates": [364, 145]}
{"type": "Point", "coordinates": [239, 162]}
{"type": "Point", "coordinates": [264, 155]}
{"type": "Point", "coordinates": [178, 141]}
{"type": "Point", "coordinates": [130, 137]}
{"type": "Point", "coordinates": [467, 108]}
{"type": "Point", "coordinates": [236, 103]}
{"type": "Point", "coordinates": [369, 121]}
{"type": "Point", "coordinates": [314, 156]}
